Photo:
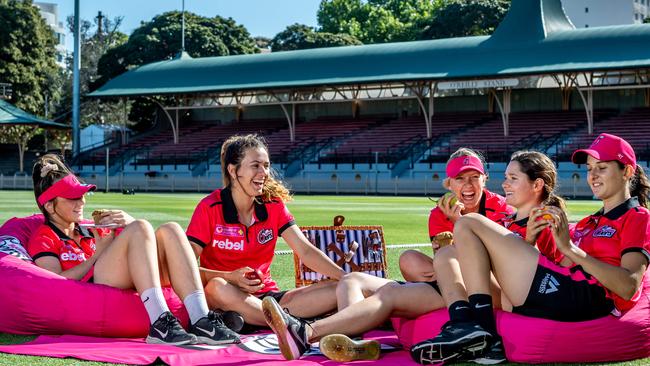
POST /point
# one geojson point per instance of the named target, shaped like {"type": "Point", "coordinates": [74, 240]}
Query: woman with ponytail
{"type": "Point", "coordinates": [234, 231]}
{"type": "Point", "coordinates": [135, 258]}
{"type": "Point", "coordinates": [607, 254]}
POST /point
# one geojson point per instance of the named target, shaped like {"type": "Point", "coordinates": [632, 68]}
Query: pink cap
{"type": "Point", "coordinates": [462, 163]}
{"type": "Point", "coordinates": [68, 187]}
{"type": "Point", "coordinates": [607, 147]}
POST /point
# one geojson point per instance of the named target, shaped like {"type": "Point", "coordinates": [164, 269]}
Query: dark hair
{"type": "Point", "coordinates": [639, 185]}
{"type": "Point", "coordinates": [233, 151]}
{"type": "Point", "coordinates": [537, 165]}
{"type": "Point", "coordinates": [47, 170]}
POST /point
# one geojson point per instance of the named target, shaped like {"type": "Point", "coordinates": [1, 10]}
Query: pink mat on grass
{"type": "Point", "coordinates": [260, 349]}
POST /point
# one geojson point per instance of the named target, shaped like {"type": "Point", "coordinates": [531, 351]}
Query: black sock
{"type": "Point", "coordinates": [460, 312]}
{"type": "Point", "coordinates": [483, 312]}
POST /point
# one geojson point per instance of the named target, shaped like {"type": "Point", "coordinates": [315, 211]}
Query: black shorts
{"type": "Point", "coordinates": [433, 284]}
{"type": "Point", "coordinates": [277, 295]}
{"type": "Point", "coordinates": [564, 294]}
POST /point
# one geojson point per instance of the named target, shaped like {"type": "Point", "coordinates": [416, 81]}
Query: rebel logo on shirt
{"type": "Point", "coordinates": [265, 236]}
{"type": "Point", "coordinates": [604, 232]}
{"type": "Point", "coordinates": [71, 256]}
{"type": "Point", "coordinates": [229, 245]}
{"type": "Point", "coordinates": [232, 231]}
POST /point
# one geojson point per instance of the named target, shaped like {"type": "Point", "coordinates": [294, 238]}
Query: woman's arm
{"type": "Point", "coordinates": [310, 255]}
{"type": "Point", "coordinates": [52, 264]}
{"type": "Point", "coordinates": [623, 280]}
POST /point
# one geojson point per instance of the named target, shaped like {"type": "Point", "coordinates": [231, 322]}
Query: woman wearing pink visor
{"type": "Point", "coordinates": [608, 251]}
{"type": "Point", "coordinates": [466, 179]}
{"type": "Point", "coordinates": [138, 257]}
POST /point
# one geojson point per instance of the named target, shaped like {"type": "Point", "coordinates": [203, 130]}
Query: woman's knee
{"type": "Point", "coordinates": [142, 227]}
{"type": "Point", "coordinates": [169, 229]}
{"type": "Point", "coordinates": [349, 281]}
{"type": "Point", "coordinates": [216, 291]}
{"type": "Point", "coordinates": [444, 256]}
{"type": "Point", "coordinates": [408, 257]}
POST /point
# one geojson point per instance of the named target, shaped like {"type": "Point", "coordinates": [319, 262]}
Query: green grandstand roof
{"type": "Point", "coordinates": [12, 115]}
{"type": "Point", "coordinates": [535, 38]}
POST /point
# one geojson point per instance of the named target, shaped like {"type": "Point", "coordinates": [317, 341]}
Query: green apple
{"type": "Point", "coordinates": [452, 201]}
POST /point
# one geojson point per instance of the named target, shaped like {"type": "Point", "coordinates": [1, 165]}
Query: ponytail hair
{"type": "Point", "coordinates": [640, 186]}
{"type": "Point", "coordinates": [233, 151]}
{"type": "Point", "coordinates": [537, 165]}
{"type": "Point", "coordinates": [47, 170]}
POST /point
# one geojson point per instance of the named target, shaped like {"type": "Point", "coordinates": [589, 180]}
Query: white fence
{"type": "Point", "coordinates": [306, 184]}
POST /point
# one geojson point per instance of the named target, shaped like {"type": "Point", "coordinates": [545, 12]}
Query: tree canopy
{"type": "Point", "coordinates": [376, 21]}
{"type": "Point", "coordinates": [300, 36]}
{"type": "Point", "coordinates": [160, 39]}
{"type": "Point", "coordinates": [460, 18]}
{"type": "Point", "coordinates": [27, 56]}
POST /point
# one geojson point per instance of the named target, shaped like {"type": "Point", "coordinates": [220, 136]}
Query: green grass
{"type": "Point", "coordinates": [404, 220]}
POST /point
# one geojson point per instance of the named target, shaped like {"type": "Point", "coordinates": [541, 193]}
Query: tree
{"type": "Point", "coordinates": [27, 55]}
{"type": "Point", "coordinates": [61, 138]}
{"type": "Point", "coordinates": [160, 39]}
{"type": "Point", "coordinates": [459, 18]}
{"type": "Point", "coordinates": [376, 21]}
{"type": "Point", "coordinates": [300, 36]}
{"type": "Point", "coordinates": [20, 135]}
{"type": "Point", "coordinates": [96, 39]}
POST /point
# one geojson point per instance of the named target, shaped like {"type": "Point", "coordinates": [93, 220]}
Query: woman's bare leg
{"type": "Point", "coordinates": [356, 286]}
{"type": "Point", "coordinates": [177, 261]}
{"type": "Point", "coordinates": [416, 266]}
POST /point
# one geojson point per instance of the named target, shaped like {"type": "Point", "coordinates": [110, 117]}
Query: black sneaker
{"type": "Point", "coordinates": [167, 330]}
{"type": "Point", "coordinates": [291, 332]}
{"type": "Point", "coordinates": [456, 341]}
{"type": "Point", "coordinates": [233, 320]}
{"type": "Point", "coordinates": [493, 355]}
{"type": "Point", "coordinates": [211, 330]}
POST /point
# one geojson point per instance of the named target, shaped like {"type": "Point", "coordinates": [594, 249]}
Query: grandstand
{"type": "Point", "coordinates": [384, 118]}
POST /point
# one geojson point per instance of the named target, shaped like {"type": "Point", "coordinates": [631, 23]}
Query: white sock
{"type": "Point", "coordinates": [154, 303]}
{"type": "Point", "coordinates": [196, 305]}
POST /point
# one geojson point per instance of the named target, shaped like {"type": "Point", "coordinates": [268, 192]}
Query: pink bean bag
{"type": "Point", "coordinates": [534, 340]}
{"type": "Point", "coordinates": [36, 301]}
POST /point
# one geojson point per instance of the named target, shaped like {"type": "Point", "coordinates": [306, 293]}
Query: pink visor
{"type": "Point", "coordinates": [68, 187]}
{"type": "Point", "coordinates": [607, 147]}
{"type": "Point", "coordinates": [463, 163]}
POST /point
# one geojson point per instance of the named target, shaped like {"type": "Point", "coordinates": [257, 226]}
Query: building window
{"type": "Point", "coordinates": [586, 10]}
{"type": "Point", "coordinates": [586, 25]}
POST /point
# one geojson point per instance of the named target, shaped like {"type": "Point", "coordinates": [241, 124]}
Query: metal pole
{"type": "Point", "coordinates": [183, 29]}
{"type": "Point", "coordinates": [76, 65]}
{"type": "Point", "coordinates": [108, 150]}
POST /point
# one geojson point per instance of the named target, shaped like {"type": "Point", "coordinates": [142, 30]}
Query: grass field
{"type": "Point", "coordinates": [404, 220]}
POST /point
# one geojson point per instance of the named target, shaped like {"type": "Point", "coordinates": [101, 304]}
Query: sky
{"type": "Point", "coordinates": [260, 17]}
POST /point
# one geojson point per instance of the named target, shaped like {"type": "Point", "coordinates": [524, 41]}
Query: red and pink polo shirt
{"type": "Point", "coordinates": [607, 236]}
{"type": "Point", "coordinates": [228, 244]}
{"type": "Point", "coordinates": [492, 206]}
{"type": "Point", "coordinates": [545, 242]}
{"type": "Point", "coordinates": [48, 240]}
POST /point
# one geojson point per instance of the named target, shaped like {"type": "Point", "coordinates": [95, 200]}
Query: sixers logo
{"type": "Point", "coordinates": [604, 232]}
{"type": "Point", "coordinates": [265, 236]}
{"type": "Point", "coordinates": [466, 161]}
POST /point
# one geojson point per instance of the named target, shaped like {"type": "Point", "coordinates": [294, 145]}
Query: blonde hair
{"type": "Point", "coordinates": [233, 151]}
{"type": "Point", "coordinates": [466, 151]}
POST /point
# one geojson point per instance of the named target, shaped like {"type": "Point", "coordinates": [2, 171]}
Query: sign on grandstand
{"type": "Point", "coordinates": [5, 91]}
{"type": "Point", "coordinates": [478, 84]}
{"type": "Point", "coordinates": [353, 248]}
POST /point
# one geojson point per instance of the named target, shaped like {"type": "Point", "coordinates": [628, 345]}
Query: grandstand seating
{"type": "Point", "coordinates": [528, 130]}
{"type": "Point", "coordinates": [395, 138]}
{"type": "Point", "coordinates": [632, 125]}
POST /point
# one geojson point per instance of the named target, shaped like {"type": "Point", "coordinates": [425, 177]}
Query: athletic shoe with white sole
{"type": "Point", "coordinates": [211, 330]}
{"type": "Point", "coordinates": [494, 354]}
{"type": "Point", "coordinates": [456, 341]}
{"type": "Point", "coordinates": [167, 330]}
{"type": "Point", "coordinates": [291, 332]}
{"type": "Point", "coordinates": [341, 348]}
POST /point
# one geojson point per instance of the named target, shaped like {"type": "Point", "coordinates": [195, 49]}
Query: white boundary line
{"type": "Point", "coordinates": [392, 246]}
